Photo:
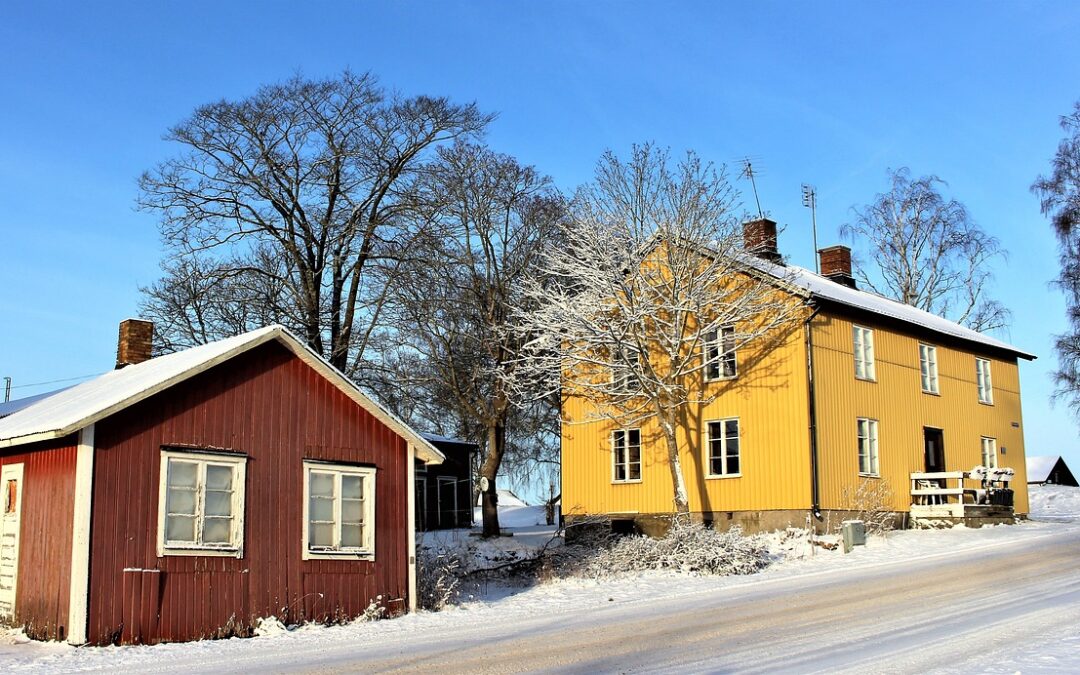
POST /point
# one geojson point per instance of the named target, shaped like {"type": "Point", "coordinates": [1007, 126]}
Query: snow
{"type": "Point", "coordinates": [1040, 466]}
{"type": "Point", "coordinates": [1032, 625]}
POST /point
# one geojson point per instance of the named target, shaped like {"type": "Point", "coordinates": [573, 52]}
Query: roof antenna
{"type": "Point", "coordinates": [809, 200]}
{"type": "Point", "coordinates": [7, 389]}
{"type": "Point", "coordinates": [748, 171]}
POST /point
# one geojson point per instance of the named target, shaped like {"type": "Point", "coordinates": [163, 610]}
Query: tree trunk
{"type": "Point", "coordinates": [667, 425]}
{"type": "Point", "coordinates": [490, 499]}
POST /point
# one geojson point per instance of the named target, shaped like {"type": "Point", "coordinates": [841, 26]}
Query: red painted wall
{"type": "Point", "coordinates": [43, 587]}
{"type": "Point", "coordinates": [278, 411]}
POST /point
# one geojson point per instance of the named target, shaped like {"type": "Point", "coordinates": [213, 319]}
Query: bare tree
{"type": "Point", "coordinates": [1060, 196]}
{"type": "Point", "coordinates": [487, 219]}
{"type": "Point", "coordinates": [651, 269]}
{"type": "Point", "coordinates": [288, 199]}
{"type": "Point", "coordinates": [926, 251]}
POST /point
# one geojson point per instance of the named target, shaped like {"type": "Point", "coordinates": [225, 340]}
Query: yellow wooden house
{"type": "Point", "coordinates": [870, 397]}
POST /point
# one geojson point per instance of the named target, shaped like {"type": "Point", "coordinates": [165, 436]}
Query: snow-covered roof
{"type": "Point", "coordinates": [12, 407]}
{"type": "Point", "coordinates": [69, 410]}
{"type": "Point", "coordinates": [816, 286]}
{"type": "Point", "coordinates": [436, 438]}
{"type": "Point", "coordinates": [506, 498]}
{"type": "Point", "coordinates": [1039, 467]}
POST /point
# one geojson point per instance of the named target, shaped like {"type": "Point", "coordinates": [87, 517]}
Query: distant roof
{"type": "Point", "coordinates": [816, 286]}
{"type": "Point", "coordinates": [64, 412]}
{"type": "Point", "coordinates": [1039, 467]}
{"type": "Point", "coordinates": [12, 407]}
{"type": "Point", "coordinates": [436, 438]}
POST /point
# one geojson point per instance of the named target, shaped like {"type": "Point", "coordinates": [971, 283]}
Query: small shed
{"type": "Point", "coordinates": [1049, 470]}
{"type": "Point", "coordinates": [444, 491]}
{"type": "Point", "coordinates": [181, 497]}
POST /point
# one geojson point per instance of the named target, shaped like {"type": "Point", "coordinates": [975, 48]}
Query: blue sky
{"type": "Point", "coordinates": [821, 92]}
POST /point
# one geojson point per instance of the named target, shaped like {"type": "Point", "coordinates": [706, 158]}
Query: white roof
{"type": "Point", "coordinates": [70, 410]}
{"type": "Point", "coordinates": [1039, 467]}
{"type": "Point", "coordinates": [815, 285]}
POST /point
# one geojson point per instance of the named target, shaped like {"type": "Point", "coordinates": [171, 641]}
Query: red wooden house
{"type": "Point", "coordinates": [185, 496]}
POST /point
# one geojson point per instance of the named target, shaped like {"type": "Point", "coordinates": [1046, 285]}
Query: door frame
{"type": "Point", "coordinates": [937, 434]}
{"type": "Point", "coordinates": [10, 472]}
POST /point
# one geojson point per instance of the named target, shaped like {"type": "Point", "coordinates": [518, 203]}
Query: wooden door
{"type": "Point", "coordinates": [11, 484]}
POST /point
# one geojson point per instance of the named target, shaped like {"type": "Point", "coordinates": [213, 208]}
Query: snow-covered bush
{"type": "Point", "coordinates": [687, 547]}
{"type": "Point", "coordinates": [439, 576]}
{"type": "Point", "coordinates": [871, 500]}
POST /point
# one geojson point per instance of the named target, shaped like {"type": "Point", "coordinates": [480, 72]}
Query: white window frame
{"type": "Point", "coordinates": [984, 381]}
{"type": "Point", "coordinates": [872, 469]}
{"type": "Point", "coordinates": [928, 369]}
{"type": "Point", "coordinates": [238, 464]}
{"type": "Point", "coordinates": [723, 448]}
{"type": "Point", "coordinates": [862, 347]}
{"type": "Point", "coordinates": [716, 357]}
{"type": "Point", "coordinates": [986, 442]}
{"type": "Point", "coordinates": [367, 550]}
{"type": "Point", "coordinates": [623, 452]}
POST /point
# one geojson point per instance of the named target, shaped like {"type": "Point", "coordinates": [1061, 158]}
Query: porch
{"type": "Point", "coordinates": [943, 496]}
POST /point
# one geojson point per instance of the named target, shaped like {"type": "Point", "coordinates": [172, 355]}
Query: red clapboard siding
{"type": "Point", "coordinates": [44, 583]}
{"type": "Point", "coordinates": [274, 408]}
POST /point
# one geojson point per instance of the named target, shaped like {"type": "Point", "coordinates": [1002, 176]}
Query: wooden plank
{"type": "Point", "coordinates": [937, 491]}
{"type": "Point", "coordinates": [938, 475]}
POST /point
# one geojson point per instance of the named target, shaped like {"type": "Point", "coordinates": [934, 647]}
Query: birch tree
{"type": "Point", "coordinates": [286, 203]}
{"type": "Point", "coordinates": [650, 268]}
{"type": "Point", "coordinates": [924, 250]}
{"type": "Point", "coordinates": [487, 220]}
{"type": "Point", "coordinates": [1059, 194]}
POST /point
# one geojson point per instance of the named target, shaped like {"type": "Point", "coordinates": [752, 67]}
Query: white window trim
{"type": "Point", "coordinates": [932, 370]}
{"type": "Point", "coordinates": [718, 342]}
{"type": "Point", "coordinates": [989, 399]}
{"type": "Point", "coordinates": [709, 475]}
{"type": "Point", "coordinates": [982, 451]}
{"type": "Point", "coordinates": [368, 473]}
{"type": "Point", "coordinates": [869, 363]}
{"type": "Point", "coordinates": [239, 464]}
{"type": "Point", "coordinates": [615, 456]}
{"type": "Point", "coordinates": [873, 452]}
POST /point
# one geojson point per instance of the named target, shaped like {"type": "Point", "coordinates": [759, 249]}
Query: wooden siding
{"type": "Point", "coordinates": [275, 409]}
{"type": "Point", "coordinates": [43, 588]}
{"type": "Point", "coordinates": [897, 401]}
{"type": "Point", "coordinates": [769, 397]}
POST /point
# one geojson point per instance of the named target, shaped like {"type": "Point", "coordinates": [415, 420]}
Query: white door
{"type": "Point", "coordinates": [11, 479]}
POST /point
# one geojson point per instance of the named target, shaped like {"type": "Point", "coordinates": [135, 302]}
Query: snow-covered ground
{"type": "Point", "coordinates": [1044, 611]}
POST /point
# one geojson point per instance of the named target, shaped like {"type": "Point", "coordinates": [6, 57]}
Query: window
{"type": "Point", "coordinates": [201, 504]}
{"type": "Point", "coordinates": [625, 378]}
{"type": "Point", "coordinates": [868, 446]}
{"type": "Point", "coordinates": [863, 339]}
{"type": "Point", "coordinates": [720, 354]}
{"type": "Point", "coordinates": [723, 444]}
{"type": "Point", "coordinates": [982, 377]}
{"type": "Point", "coordinates": [989, 452]}
{"type": "Point", "coordinates": [626, 452]}
{"type": "Point", "coordinates": [928, 368]}
{"type": "Point", "coordinates": [339, 511]}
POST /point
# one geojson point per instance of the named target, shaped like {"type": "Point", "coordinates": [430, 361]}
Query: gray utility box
{"type": "Point", "coordinates": [854, 534]}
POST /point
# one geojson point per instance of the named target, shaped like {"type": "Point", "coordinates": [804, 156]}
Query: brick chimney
{"type": "Point", "coordinates": [759, 238]}
{"type": "Point", "coordinates": [135, 343]}
{"type": "Point", "coordinates": [836, 265]}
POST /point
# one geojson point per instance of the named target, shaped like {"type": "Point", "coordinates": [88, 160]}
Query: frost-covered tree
{"type": "Point", "coordinates": [487, 219]}
{"type": "Point", "coordinates": [926, 251]}
{"type": "Point", "coordinates": [1060, 196]}
{"type": "Point", "coordinates": [650, 269]}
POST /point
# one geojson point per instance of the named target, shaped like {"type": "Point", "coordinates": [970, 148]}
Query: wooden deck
{"type": "Point", "coordinates": [943, 496]}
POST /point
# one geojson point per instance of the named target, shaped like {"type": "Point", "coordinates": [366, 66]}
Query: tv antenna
{"type": "Point", "coordinates": [748, 171]}
{"type": "Point", "coordinates": [809, 200]}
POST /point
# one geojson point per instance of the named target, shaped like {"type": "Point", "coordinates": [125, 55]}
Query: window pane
{"type": "Point", "coordinates": [183, 474]}
{"type": "Point", "coordinates": [352, 511]}
{"type": "Point", "coordinates": [634, 471]}
{"type": "Point", "coordinates": [716, 465]}
{"type": "Point", "coordinates": [352, 487]}
{"type": "Point", "coordinates": [731, 428]}
{"type": "Point", "coordinates": [218, 503]}
{"type": "Point", "coordinates": [320, 535]}
{"type": "Point", "coordinates": [320, 509]}
{"type": "Point", "coordinates": [635, 437]}
{"type": "Point", "coordinates": [620, 471]}
{"type": "Point", "coordinates": [351, 536]}
{"type": "Point", "coordinates": [180, 500]}
{"type": "Point", "coordinates": [733, 464]}
{"type": "Point", "coordinates": [180, 528]}
{"type": "Point", "coordinates": [217, 531]}
{"type": "Point", "coordinates": [321, 484]}
{"type": "Point", "coordinates": [218, 477]}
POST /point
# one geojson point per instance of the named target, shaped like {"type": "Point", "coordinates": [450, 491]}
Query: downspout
{"type": "Point", "coordinates": [815, 489]}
